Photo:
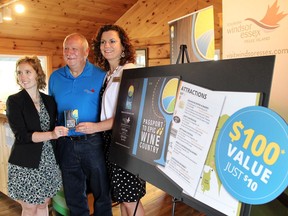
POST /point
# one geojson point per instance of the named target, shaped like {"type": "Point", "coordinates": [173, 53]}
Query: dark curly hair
{"type": "Point", "coordinates": [35, 63]}
{"type": "Point", "coordinates": [125, 41]}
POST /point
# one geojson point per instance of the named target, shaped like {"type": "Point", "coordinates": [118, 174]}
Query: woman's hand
{"type": "Point", "coordinates": [59, 131]}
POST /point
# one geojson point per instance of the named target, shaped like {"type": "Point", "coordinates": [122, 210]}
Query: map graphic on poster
{"type": "Point", "coordinates": [195, 118]}
{"type": "Point", "coordinates": [210, 189]}
{"type": "Point", "coordinates": [191, 155]}
{"type": "Point", "coordinates": [144, 113]}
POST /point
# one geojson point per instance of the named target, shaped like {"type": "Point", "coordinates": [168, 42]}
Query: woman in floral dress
{"type": "Point", "coordinates": [33, 174]}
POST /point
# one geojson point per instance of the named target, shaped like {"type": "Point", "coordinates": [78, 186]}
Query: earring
{"type": "Point", "coordinates": [122, 54]}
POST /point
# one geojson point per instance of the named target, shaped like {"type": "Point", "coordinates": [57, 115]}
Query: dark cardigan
{"type": "Point", "coordinates": [24, 120]}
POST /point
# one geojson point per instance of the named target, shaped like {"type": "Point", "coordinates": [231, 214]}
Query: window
{"type": "Point", "coordinates": [141, 57]}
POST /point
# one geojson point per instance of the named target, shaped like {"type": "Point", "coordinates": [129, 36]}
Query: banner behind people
{"type": "Point", "coordinates": [196, 31]}
{"type": "Point", "coordinates": [259, 28]}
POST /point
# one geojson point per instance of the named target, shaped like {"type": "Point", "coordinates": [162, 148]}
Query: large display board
{"type": "Point", "coordinates": [244, 75]}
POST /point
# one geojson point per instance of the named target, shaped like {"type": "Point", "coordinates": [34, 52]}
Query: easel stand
{"type": "Point", "coordinates": [182, 54]}
{"type": "Point", "coordinates": [174, 201]}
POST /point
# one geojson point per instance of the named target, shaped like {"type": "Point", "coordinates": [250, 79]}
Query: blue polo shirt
{"type": "Point", "coordinates": [81, 93]}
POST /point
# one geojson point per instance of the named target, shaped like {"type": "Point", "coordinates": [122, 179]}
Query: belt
{"type": "Point", "coordinates": [81, 137]}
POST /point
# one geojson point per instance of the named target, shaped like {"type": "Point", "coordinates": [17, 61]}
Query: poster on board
{"type": "Point", "coordinates": [144, 114]}
{"type": "Point", "coordinates": [191, 151]}
{"type": "Point", "coordinates": [254, 75]}
{"type": "Point", "coordinates": [196, 31]}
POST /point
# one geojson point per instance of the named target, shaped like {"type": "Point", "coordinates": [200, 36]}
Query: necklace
{"type": "Point", "coordinates": [110, 74]}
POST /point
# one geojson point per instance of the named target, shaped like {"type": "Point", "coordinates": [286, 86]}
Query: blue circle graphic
{"type": "Point", "coordinates": [252, 155]}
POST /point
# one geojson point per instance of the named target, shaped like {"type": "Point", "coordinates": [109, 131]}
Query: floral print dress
{"type": "Point", "coordinates": [34, 185]}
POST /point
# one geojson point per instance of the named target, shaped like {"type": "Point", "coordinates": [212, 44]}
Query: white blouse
{"type": "Point", "coordinates": [110, 96]}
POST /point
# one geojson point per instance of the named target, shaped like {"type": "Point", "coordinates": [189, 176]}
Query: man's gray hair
{"type": "Point", "coordinates": [82, 37]}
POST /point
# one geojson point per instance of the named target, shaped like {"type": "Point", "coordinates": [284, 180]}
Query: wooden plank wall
{"type": "Point", "coordinates": [146, 23]}
{"type": "Point", "coordinates": [52, 49]}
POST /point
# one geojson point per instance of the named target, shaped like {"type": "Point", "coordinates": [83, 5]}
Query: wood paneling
{"type": "Point", "coordinates": [9, 206]}
{"type": "Point", "coordinates": [54, 19]}
{"type": "Point", "coordinates": [52, 50]}
{"type": "Point", "coordinates": [45, 24]}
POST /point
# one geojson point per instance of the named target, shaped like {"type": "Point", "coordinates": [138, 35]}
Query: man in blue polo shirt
{"type": "Point", "coordinates": [76, 86]}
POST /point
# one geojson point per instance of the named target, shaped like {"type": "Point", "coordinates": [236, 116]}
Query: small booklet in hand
{"type": "Point", "coordinates": [71, 118]}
